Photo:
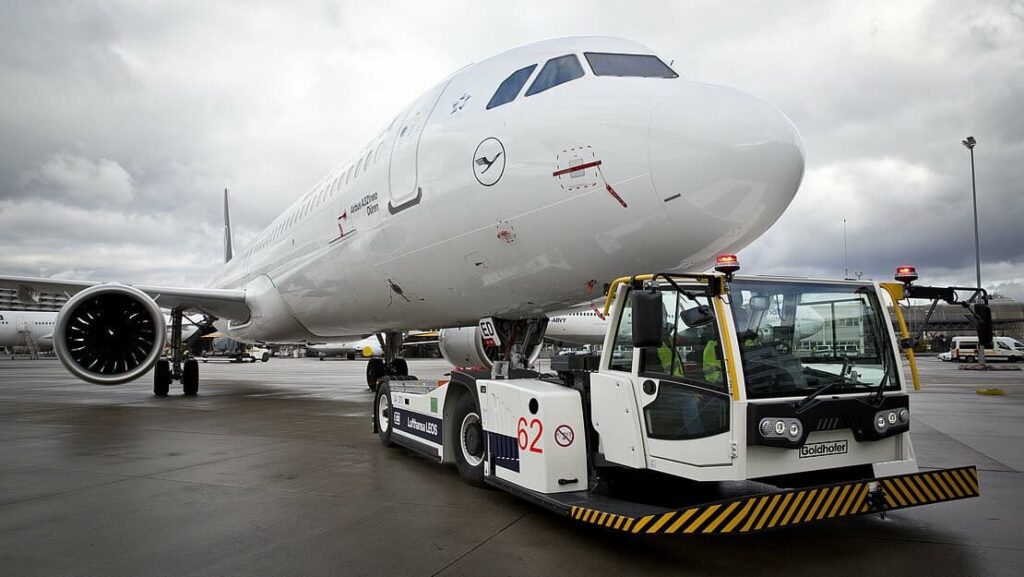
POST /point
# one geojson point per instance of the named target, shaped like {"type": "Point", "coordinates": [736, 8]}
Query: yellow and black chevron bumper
{"type": "Point", "coordinates": [797, 506]}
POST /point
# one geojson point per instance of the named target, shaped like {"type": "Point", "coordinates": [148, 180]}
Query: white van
{"type": "Point", "coordinates": [1011, 344]}
{"type": "Point", "coordinates": [965, 349]}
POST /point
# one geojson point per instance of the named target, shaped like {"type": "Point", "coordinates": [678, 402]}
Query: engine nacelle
{"type": "Point", "coordinates": [109, 334]}
{"type": "Point", "coordinates": [464, 347]}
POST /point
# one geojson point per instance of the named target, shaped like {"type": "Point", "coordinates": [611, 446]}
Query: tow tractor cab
{"type": "Point", "coordinates": [719, 404]}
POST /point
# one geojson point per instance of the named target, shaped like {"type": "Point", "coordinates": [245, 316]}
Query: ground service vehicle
{"type": "Point", "coordinates": [702, 415]}
{"type": "Point", "coordinates": [236, 351]}
{"type": "Point", "coordinates": [1002, 349]}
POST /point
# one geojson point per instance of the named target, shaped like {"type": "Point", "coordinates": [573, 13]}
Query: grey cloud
{"type": "Point", "coordinates": [80, 181]}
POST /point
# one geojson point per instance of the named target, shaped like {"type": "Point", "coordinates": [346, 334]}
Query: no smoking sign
{"type": "Point", "coordinates": [564, 435]}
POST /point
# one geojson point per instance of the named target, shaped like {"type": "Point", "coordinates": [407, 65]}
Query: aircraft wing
{"type": "Point", "coordinates": [221, 303]}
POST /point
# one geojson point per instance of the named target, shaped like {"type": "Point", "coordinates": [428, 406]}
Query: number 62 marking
{"type": "Point", "coordinates": [523, 430]}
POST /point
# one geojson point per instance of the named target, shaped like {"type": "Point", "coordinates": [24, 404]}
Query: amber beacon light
{"type": "Point", "coordinates": [727, 264]}
{"type": "Point", "coordinates": [906, 274]}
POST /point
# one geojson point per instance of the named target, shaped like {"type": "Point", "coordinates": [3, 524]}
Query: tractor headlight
{"type": "Point", "coordinates": [880, 423]}
{"type": "Point", "coordinates": [891, 418]}
{"type": "Point", "coordinates": [773, 428]}
{"type": "Point", "coordinates": [794, 429]}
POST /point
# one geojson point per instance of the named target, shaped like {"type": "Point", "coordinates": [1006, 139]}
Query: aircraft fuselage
{"type": "Point", "coordinates": [456, 212]}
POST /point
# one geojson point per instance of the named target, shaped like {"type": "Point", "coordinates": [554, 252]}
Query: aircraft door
{"type": "Point", "coordinates": [403, 185]}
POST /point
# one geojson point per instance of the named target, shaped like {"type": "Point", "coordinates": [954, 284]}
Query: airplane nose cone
{"type": "Point", "coordinates": [724, 166]}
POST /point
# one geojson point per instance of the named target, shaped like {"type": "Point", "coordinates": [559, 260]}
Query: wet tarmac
{"type": "Point", "coordinates": [273, 470]}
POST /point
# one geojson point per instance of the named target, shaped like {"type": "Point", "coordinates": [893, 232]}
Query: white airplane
{"type": "Point", "coordinates": [40, 324]}
{"type": "Point", "coordinates": [583, 326]}
{"type": "Point", "coordinates": [362, 348]}
{"type": "Point", "coordinates": [510, 189]}
{"type": "Point", "coordinates": [15, 326]}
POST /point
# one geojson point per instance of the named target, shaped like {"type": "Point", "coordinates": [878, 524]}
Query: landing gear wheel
{"type": "Point", "coordinates": [469, 441]}
{"type": "Point", "coordinates": [162, 378]}
{"type": "Point", "coordinates": [382, 414]}
{"type": "Point", "coordinates": [190, 378]}
{"type": "Point", "coordinates": [399, 368]}
{"type": "Point", "coordinates": [375, 369]}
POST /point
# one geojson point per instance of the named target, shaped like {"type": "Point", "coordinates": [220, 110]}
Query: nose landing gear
{"type": "Point", "coordinates": [392, 365]}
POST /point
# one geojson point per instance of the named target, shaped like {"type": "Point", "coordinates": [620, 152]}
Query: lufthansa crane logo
{"type": "Point", "coordinates": [489, 161]}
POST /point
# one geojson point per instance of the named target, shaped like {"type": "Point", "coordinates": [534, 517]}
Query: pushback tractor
{"type": "Point", "coordinates": [719, 404]}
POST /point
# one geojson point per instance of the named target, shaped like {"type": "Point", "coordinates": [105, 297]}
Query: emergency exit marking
{"type": "Point", "coordinates": [564, 435]}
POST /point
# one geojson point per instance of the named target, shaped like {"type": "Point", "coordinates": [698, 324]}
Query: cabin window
{"type": "Point", "coordinates": [510, 87]}
{"type": "Point", "coordinates": [556, 71]}
{"type": "Point", "coordinates": [639, 65]}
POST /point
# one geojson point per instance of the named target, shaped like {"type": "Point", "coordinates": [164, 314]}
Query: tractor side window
{"type": "Point", "coordinates": [510, 87]}
{"type": "Point", "coordinates": [556, 71]}
{"type": "Point", "coordinates": [622, 350]}
{"type": "Point", "coordinates": [692, 393]}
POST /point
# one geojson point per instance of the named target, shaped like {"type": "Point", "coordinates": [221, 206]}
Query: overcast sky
{"type": "Point", "coordinates": [122, 122]}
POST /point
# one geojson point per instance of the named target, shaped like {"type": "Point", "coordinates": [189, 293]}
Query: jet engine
{"type": "Point", "coordinates": [464, 347]}
{"type": "Point", "coordinates": [109, 334]}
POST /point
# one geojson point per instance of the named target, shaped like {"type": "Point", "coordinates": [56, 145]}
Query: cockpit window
{"type": "Point", "coordinates": [556, 71]}
{"type": "Point", "coordinates": [510, 87]}
{"type": "Point", "coordinates": [642, 65]}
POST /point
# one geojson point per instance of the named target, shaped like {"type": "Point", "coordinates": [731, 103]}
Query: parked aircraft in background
{"type": "Point", "coordinates": [22, 328]}
{"type": "Point", "coordinates": [510, 189]}
{"type": "Point", "coordinates": [582, 326]}
{"type": "Point", "coordinates": [369, 347]}
{"type": "Point", "coordinates": [19, 328]}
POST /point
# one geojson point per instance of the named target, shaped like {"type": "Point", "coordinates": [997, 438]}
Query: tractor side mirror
{"type": "Point", "coordinates": [648, 318]}
{"type": "Point", "coordinates": [698, 316]}
{"type": "Point", "coordinates": [984, 314]}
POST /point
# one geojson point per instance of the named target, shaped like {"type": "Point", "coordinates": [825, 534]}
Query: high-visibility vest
{"type": "Point", "coordinates": [712, 364]}
{"type": "Point", "coordinates": [665, 355]}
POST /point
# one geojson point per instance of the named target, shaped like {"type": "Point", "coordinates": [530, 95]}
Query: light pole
{"type": "Point", "coordinates": [969, 142]}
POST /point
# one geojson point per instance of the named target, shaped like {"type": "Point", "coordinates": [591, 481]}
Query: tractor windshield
{"type": "Point", "coordinates": [797, 337]}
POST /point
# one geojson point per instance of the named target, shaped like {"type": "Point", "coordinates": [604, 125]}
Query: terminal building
{"type": "Point", "coordinates": [946, 322]}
